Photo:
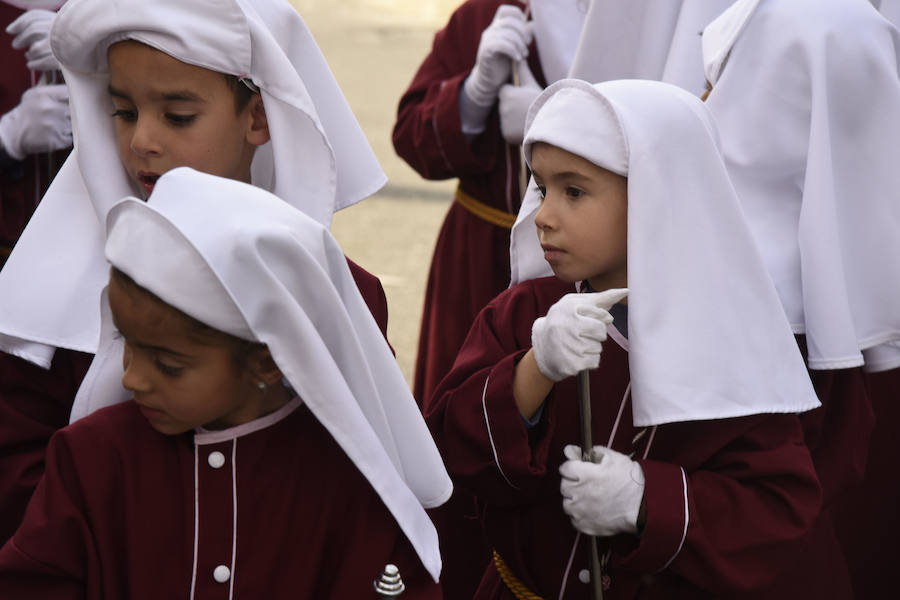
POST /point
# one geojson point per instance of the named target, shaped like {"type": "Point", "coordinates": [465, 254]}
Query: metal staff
{"type": "Point", "coordinates": [587, 453]}
{"type": "Point", "coordinates": [523, 167]}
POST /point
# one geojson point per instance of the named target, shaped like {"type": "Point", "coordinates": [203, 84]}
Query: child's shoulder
{"type": "Point", "coordinates": [111, 425]}
{"type": "Point", "coordinates": [539, 293]}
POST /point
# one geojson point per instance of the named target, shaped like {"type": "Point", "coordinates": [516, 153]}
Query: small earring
{"type": "Point", "coordinates": [261, 385]}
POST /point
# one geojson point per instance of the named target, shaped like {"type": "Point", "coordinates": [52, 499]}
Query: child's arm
{"type": "Point", "coordinates": [428, 134]}
{"type": "Point", "coordinates": [34, 404]}
{"type": "Point", "coordinates": [729, 523]}
{"type": "Point", "coordinates": [50, 555]}
{"type": "Point", "coordinates": [474, 416]}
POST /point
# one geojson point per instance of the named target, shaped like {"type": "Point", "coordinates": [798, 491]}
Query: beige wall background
{"type": "Point", "coordinates": [374, 48]}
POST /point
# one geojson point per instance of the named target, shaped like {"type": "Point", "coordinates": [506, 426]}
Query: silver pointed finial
{"type": "Point", "coordinates": [389, 585]}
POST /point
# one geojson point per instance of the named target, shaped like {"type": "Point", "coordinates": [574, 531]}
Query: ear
{"type": "Point", "coordinates": [263, 368]}
{"type": "Point", "coordinates": [258, 129]}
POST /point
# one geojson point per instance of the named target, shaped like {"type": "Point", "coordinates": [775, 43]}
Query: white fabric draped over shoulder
{"type": "Point", "coordinates": [806, 97]}
{"type": "Point", "coordinates": [318, 158]}
{"type": "Point", "coordinates": [707, 336]}
{"type": "Point", "coordinates": [645, 39]}
{"type": "Point", "coordinates": [557, 29]}
{"type": "Point", "coordinates": [238, 258]}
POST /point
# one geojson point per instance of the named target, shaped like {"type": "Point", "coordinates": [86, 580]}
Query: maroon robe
{"type": "Point", "coordinates": [867, 519]}
{"type": "Point", "coordinates": [283, 511]}
{"type": "Point", "coordinates": [21, 183]}
{"type": "Point", "coordinates": [471, 258]}
{"type": "Point", "coordinates": [35, 402]}
{"type": "Point", "coordinates": [470, 264]}
{"type": "Point", "coordinates": [727, 501]}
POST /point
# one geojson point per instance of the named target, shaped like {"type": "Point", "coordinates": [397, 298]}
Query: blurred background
{"type": "Point", "coordinates": [374, 48]}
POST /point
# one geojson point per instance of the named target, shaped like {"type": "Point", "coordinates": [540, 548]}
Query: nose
{"type": "Point", "coordinates": [134, 378]}
{"type": "Point", "coordinates": [545, 217]}
{"type": "Point", "coordinates": [144, 138]}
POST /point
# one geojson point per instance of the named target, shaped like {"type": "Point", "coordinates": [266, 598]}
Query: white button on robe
{"type": "Point", "coordinates": [216, 459]}
{"type": "Point", "coordinates": [221, 574]}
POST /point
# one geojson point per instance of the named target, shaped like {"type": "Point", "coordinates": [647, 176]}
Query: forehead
{"type": "Point", "coordinates": [550, 161]}
{"type": "Point", "coordinates": [136, 65]}
{"type": "Point", "coordinates": [138, 313]}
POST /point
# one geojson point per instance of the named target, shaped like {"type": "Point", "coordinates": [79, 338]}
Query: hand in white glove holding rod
{"type": "Point", "coordinates": [505, 40]}
{"type": "Point", "coordinates": [567, 340]}
{"type": "Point", "coordinates": [40, 123]}
{"type": "Point", "coordinates": [602, 497]}
{"type": "Point", "coordinates": [32, 31]}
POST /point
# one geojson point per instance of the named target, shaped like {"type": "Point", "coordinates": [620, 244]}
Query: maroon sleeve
{"type": "Point", "coordinates": [50, 554]}
{"type": "Point", "coordinates": [474, 418]}
{"type": "Point", "coordinates": [34, 403]}
{"type": "Point", "coordinates": [732, 522]}
{"type": "Point", "coordinates": [373, 293]}
{"type": "Point", "coordinates": [428, 134]}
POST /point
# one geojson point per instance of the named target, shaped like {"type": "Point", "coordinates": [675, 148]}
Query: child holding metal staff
{"type": "Point", "coordinates": [236, 88]}
{"type": "Point", "coordinates": [265, 444]}
{"type": "Point", "coordinates": [700, 483]}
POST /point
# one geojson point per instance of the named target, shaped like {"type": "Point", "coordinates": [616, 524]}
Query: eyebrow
{"type": "Point", "coordinates": [564, 175]}
{"type": "Point", "coordinates": [149, 346]}
{"type": "Point", "coordinates": [173, 96]}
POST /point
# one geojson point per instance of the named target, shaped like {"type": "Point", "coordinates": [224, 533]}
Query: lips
{"type": "Point", "coordinates": [147, 180]}
{"type": "Point", "coordinates": [552, 253]}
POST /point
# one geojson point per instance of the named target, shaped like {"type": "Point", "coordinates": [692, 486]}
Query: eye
{"type": "Point", "coordinates": [541, 190]}
{"type": "Point", "coordinates": [127, 115]}
{"type": "Point", "coordinates": [180, 120]}
{"type": "Point", "coordinates": [168, 370]}
{"type": "Point", "coordinates": [574, 192]}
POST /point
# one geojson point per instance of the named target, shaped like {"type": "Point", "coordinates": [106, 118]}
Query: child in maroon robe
{"type": "Point", "coordinates": [699, 484]}
{"type": "Point", "coordinates": [168, 113]}
{"type": "Point", "coordinates": [272, 448]}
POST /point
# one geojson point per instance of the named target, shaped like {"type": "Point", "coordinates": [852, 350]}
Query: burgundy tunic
{"type": "Point", "coordinates": [471, 258]}
{"type": "Point", "coordinates": [35, 402]}
{"type": "Point", "coordinates": [21, 183]}
{"type": "Point", "coordinates": [269, 509]}
{"type": "Point", "coordinates": [470, 264]}
{"type": "Point", "coordinates": [727, 501]}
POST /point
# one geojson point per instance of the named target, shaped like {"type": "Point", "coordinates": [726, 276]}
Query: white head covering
{"type": "Point", "coordinates": [557, 29]}
{"type": "Point", "coordinates": [236, 257]}
{"type": "Point", "coordinates": [318, 158]}
{"type": "Point", "coordinates": [707, 336]}
{"type": "Point", "coordinates": [645, 39]}
{"type": "Point", "coordinates": [808, 107]}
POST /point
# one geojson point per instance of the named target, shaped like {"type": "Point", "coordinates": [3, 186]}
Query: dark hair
{"type": "Point", "coordinates": [242, 93]}
{"type": "Point", "coordinates": [241, 350]}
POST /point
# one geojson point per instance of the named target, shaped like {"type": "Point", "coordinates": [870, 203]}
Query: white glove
{"type": "Point", "coordinates": [32, 31]}
{"type": "Point", "coordinates": [602, 497]}
{"type": "Point", "coordinates": [570, 338]}
{"type": "Point", "coordinates": [514, 103]}
{"type": "Point", "coordinates": [506, 39]}
{"type": "Point", "coordinates": [40, 123]}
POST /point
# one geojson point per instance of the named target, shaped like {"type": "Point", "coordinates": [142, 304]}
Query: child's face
{"type": "Point", "coordinates": [178, 382]}
{"type": "Point", "coordinates": [171, 114]}
{"type": "Point", "coordinates": [582, 222]}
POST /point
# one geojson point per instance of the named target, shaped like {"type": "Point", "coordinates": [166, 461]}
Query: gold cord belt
{"type": "Point", "coordinates": [484, 212]}
{"type": "Point", "coordinates": [518, 589]}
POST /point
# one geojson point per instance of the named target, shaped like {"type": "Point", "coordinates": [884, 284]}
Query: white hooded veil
{"type": "Point", "coordinates": [707, 336]}
{"type": "Point", "coordinates": [318, 159]}
{"type": "Point", "coordinates": [806, 96]}
{"type": "Point", "coordinates": [240, 259]}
